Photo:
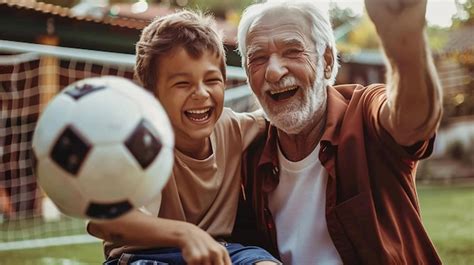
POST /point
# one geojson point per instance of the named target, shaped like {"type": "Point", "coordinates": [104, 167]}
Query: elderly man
{"type": "Point", "coordinates": [333, 182]}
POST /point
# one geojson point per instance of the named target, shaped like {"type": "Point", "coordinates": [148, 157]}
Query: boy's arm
{"type": "Point", "coordinates": [137, 228]}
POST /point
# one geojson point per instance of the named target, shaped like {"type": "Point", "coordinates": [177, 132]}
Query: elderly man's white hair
{"type": "Point", "coordinates": [322, 33]}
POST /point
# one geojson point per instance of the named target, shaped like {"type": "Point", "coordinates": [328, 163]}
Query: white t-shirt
{"type": "Point", "coordinates": [298, 208]}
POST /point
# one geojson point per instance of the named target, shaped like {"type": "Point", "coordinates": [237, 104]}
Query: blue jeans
{"type": "Point", "coordinates": [239, 255]}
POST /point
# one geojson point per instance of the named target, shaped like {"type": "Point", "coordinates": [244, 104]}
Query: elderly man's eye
{"type": "Point", "coordinates": [257, 59]}
{"type": "Point", "coordinates": [293, 53]}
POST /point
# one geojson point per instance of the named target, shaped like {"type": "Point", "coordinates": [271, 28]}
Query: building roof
{"type": "Point", "coordinates": [124, 10]}
{"type": "Point", "coordinates": [60, 11]}
{"type": "Point", "coordinates": [123, 16]}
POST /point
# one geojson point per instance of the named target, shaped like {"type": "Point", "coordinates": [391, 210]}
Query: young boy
{"type": "Point", "coordinates": [181, 59]}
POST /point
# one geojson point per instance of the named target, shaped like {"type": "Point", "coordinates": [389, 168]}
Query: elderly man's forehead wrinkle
{"type": "Point", "coordinates": [257, 42]}
{"type": "Point", "coordinates": [284, 32]}
{"type": "Point", "coordinates": [290, 41]}
{"type": "Point", "coordinates": [281, 37]}
{"type": "Point", "coordinates": [258, 31]}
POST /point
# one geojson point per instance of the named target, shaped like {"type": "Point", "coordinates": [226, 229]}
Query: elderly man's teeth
{"type": "Point", "coordinates": [273, 92]}
{"type": "Point", "coordinates": [283, 94]}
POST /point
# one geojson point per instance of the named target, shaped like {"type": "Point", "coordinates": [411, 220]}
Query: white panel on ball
{"type": "Point", "coordinates": [53, 120]}
{"type": "Point", "coordinates": [64, 191]}
{"type": "Point", "coordinates": [110, 174]}
{"type": "Point", "coordinates": [106, 117]}
{"type": "Point", "coordinates": [151, 109]}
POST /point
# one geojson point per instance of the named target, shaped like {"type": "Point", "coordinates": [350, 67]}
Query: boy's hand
{"type": "Point", "coordinates": [199, 248]}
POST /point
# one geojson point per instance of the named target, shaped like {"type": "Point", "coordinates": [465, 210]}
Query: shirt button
{"type": "Point", "coordinates": [275, 171]}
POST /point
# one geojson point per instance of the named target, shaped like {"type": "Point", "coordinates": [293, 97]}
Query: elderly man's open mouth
{"type": "Point", "coordinates": [283, 93]}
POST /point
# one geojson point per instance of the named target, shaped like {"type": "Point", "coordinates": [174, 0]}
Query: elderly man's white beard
{"type": "Point", "coordinates": [293, 117]}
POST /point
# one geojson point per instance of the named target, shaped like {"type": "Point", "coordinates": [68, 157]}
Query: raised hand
{"type": "Point", "coordinates": [399, 24]}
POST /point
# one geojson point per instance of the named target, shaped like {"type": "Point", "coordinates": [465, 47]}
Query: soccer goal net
{"type": "Point", "coordinates": [30, 75]}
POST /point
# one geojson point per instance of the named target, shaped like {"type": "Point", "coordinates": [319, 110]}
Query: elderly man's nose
{"type": "Point", "coordinates": [275, 69]}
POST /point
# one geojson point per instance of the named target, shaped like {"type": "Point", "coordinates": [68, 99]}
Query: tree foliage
{"type": "Point", "coordinates": [437, 37]}
{"type": "Point", "coordinates": [364, 34]}
{"type": "Point", "coordinates": [465, 13]}
{"type": "Point", "coordinates": [340, 16]}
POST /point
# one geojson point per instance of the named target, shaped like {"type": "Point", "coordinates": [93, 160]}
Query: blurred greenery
{"type": "Point", "coordinates": [465, 14]}
{"type": "Point", "coordinates": [364, 35]}
{"type": "Point", "coordinates": [220, 7]}
{"type": "Point", "coordinates": [340, 16]}
{"type": "Point", "coordinates": [437, 37]}
{"type": "Point", "coordinates": [84, 254]}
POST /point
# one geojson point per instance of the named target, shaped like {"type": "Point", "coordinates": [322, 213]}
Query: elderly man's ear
{"type": "Point", "coordinates": [329, 62]}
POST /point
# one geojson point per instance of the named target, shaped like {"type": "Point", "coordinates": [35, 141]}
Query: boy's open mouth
{"type": "Point", "coordinates": [199, 115]}
{"type": "Point", "coordinates": [283, 93]}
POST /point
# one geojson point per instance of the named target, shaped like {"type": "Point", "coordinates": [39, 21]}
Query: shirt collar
{"type": "Point", "coordinates": [336, 109]}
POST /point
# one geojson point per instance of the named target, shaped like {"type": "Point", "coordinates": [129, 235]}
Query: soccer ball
{"type": "Point", "coordinates": [102, 147]}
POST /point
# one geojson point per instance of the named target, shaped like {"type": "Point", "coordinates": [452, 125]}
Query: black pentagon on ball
{"type": "Point", "coordinates": [143, 144]}
{"type": "Point", "coordinates": [108, 210]}
{"type": "Point", "coordinates": [85, 89]}
{"type": "Point", "coordinates": [70, 150]}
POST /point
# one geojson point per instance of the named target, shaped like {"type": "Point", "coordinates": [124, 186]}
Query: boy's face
{"type": "Point", "coordinates": [192, 92]}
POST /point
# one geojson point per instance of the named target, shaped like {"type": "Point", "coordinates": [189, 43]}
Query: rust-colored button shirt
{"type": "Point", "coordinates": [372, 207]}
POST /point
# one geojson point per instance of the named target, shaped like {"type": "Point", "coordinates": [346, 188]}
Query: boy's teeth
{"type": "Point", "coordinates": [199, 115]}
{"type": "Point", "coordinates": [199, 111]}
{"type": "Point", "coordinates": [201, 119]}
{"type": "Point", "coordinates": [273, 92]}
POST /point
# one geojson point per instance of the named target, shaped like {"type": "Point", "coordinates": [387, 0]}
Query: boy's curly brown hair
{"type": "Point", "coordinates": [195, 32]}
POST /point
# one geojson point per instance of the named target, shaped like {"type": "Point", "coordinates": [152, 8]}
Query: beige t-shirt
{"type": "Point", "coordinates": [206, 192]}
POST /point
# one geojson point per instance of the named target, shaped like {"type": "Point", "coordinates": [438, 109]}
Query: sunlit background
{"type": "Point", "coordinates": [46, 45]}
{"type": "Point", "coordinates": [438, 13]}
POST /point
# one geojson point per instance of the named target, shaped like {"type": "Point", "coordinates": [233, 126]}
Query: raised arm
{"type": "Point", "coordinates": [414, 96]}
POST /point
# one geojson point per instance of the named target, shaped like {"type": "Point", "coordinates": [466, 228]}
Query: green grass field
{"type": "Point", "coordinates": [448, 214]}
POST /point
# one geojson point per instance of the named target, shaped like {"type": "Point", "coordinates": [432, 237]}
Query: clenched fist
{"type": "Point", "coordinates": [399, 23]}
